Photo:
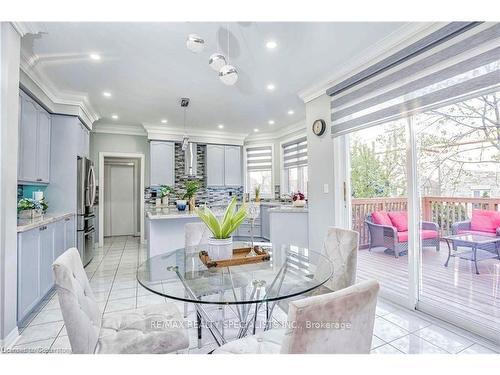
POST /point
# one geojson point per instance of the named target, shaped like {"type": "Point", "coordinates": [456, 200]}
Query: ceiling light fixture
{"type": "Point", "coordinates": [256, 130]}
{"type": "Point", "coordinates": [106, 94]}
{"type": "Point", "coordinates": [195, 43]}
{"type": "Point", "coordinates": [270, 86]}
{"type": "Point", "coordinates": [271, 122]}
{"type": "Point", "coordinates": [217, 61]}
{"type": "Point", "coordinates": [163, 121]}
{"type": "Point", "coordinates": [271, 44]}
{"type": "Point", "coordinates": [220, 126]}
{"type": "Point", "coordinates": [228, 73]}
{"type": "Point", "coordinates": [114, 117]}
{"type": "Point", "coordinates": [291, 112]}
{"type": "Point", "coordinates": [95, 56]}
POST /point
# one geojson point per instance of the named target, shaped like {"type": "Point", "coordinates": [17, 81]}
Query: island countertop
{"type": "Point", "coordinates": [154, 213]}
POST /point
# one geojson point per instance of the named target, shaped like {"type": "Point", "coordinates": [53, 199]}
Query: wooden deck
{"type": "Point", "coordinates": [456, 287]}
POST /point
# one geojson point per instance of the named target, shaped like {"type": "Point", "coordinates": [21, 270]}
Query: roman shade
{"type": "Point", "coordinates": [458, 65]}
{"type": "Point", "coordinates": [295, 153]}
{"type": "Point", "coordinates": [259, 158]}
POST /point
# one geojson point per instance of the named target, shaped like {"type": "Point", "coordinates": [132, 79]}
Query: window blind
{"type": "Point", "coordinates": [259, 158]}
{"type": "Point", "coordinates": [468, 63]}
{"type": "Point", "coordinates": [295, 153]}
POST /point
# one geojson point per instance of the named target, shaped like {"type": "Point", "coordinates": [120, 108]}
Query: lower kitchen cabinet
{"type": "Point", "coordinates": [36, 251]}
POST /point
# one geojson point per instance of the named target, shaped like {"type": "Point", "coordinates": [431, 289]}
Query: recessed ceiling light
{"type": "Point", "coordinates": [220, 126]}
{"type": "Point", "coordinates": [270, 86]}
{"type": "Point", "coordinates": [114, 117]}
{"type": "Point", "coordinates": [256, 130]}
{"type": "Point", "coordinates": [163, 121]}
{"type": "Point", "coordinates": [95, 56]}
{"type": "Point", "coordinates": [291, 112]}
{"type": "Point", "coordinates": [271, 44]}
{"type": "Point", "coordinates": [106, 94]}
{"type": "Point", "coordinates": [271, 122]}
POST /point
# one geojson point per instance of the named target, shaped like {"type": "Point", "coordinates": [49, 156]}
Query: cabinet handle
{"type": "Point", "coordinates": [43, 228]}
{"type": "Point", "coordinates": [67, 219]}
{"type": "Point", "coordinates": [39, 179]}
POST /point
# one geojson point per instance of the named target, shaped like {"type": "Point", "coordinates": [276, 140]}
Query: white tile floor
{"type": "Point", "coordinates": [112, 276]}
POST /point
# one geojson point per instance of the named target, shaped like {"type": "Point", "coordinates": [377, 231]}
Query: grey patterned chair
{"type": "Point", "coordinates": [397, 242]}
{"type": "Point", "coordinates": [150, 330]}
{"type": "Point", "coordinates": [341, 247]}
{"type": "Point", "coordinates": [312, 328]}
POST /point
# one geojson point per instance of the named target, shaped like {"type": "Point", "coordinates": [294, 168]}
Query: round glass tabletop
{"type": "Point", "coordinates": [181, 275]}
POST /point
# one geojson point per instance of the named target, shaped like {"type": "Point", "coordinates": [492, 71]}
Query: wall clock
{"type": "Point", "coordinates": [319, 127]}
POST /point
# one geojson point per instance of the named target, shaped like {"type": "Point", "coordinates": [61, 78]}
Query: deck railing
{"type": "Point", "coordinates": [441, 210]}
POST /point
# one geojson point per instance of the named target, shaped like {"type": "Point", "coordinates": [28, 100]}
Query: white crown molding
{"type": "Point", "coordinates": [24, 28]}
{"type": "Point", "coordinates": [402, 37]}
{"type": "Point", "coordinates": [137, 130]}
{"type": "Point", "coordinates": [285, 132]}
{"type": "Point", "coordinates": [55, 100]}
{"type": "Point", "coordinates": [169, 133]}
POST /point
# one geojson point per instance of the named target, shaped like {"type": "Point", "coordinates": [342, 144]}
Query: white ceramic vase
{"type": "Point", "coordinates": [220, 249]}
{"type": "Point", "coordinates": [164, 201]}
{"type": "Point", "coordinates": [299, 203]}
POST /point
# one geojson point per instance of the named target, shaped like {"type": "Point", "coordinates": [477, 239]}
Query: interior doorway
{"type": "Point", "coordinates": [121, 200]}
{"type": "Point", "coordinates": [121, 186]}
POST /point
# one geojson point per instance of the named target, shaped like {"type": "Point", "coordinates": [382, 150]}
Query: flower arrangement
{"type": "Point", "coordinates": [165, 191]}
{"type": "Point", "coordinates": [31, 204]}
{"type": "Point", "coordinates": [298, 199]}
{"type": "Point", "coordinates": [232, 219]}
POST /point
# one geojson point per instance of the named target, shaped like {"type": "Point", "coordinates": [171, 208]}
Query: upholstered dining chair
{"type": "Point", "coordinates": [335, 323]}
{"type": "Point", "coordinates": [150, 330]}
{"type": "Point", "coordinates": [341, 247]}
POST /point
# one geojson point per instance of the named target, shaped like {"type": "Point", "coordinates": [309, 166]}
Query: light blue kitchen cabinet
{"type": "Point", "coordinates": [59, 238]}
{"type": "Point", "coordinates": [34, 142]}
{"type": "Point", "coordinates": [69, 233]}
{"type": "Point", "coordinates": [232, 166]}
{"type": "Point", "coordinates": [46, 257]}
{"type": "Point", "coordinates": [28, 125]}
{"type": "Point", "coordinates": [215, 165]}
{"type": "Point", "coordinates": [162, 163]}
{"type": "Point", "coordinates": [27, 274]}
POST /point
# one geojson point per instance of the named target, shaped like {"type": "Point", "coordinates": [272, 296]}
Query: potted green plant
{"type": "Point", "coordinates": [192, 187]}
{"type": "Point", "coordinates": [28, 208]}
{"type": "Point", "coordinates": [220, 244]}
{"type": "Point", "coordinates": [257, 193]}
{"type": "Point", "coordinates": [165, 191]}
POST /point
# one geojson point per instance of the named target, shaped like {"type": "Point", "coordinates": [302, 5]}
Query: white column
{"type": "Point", "coordinates": [9, 113]}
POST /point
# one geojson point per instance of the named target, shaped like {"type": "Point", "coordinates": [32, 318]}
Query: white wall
{"type": "Point", "coordinates": [320, 172]}
{"type": "Point", "coordinates": [104, 142]}
{"type": "Point", "coordinates": [9, 113]}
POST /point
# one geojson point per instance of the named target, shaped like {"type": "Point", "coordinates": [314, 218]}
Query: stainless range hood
{"type": "Point", "coordinates": [190, 160]}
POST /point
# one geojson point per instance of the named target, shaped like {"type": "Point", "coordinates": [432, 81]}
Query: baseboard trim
{"type": "Point", "coordinates": [11, 338]}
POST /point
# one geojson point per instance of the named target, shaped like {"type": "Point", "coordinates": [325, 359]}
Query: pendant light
{"type": "Point", "coordinates": [185, 139]}
{"type": "Point", "coordinates": [195, 43]}
{"type": "Point", "coordinates": [217, 61]}
{"type": "Point", "coordinates": [228, 73]}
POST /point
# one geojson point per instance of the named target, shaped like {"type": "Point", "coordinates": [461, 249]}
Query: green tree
{"type": "Point", "coordinates": [367, 175]}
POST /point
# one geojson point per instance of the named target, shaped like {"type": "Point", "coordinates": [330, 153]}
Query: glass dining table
{"type": "Point", "coordinates": [181, 275]}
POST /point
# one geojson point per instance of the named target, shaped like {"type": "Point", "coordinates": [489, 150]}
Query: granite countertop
{"type": "Point", "coordinates": [289, 209]}
{"type": "Point", "coordinates": [24, 225]}
{"type": "Point", "coordinates": [154, 213]}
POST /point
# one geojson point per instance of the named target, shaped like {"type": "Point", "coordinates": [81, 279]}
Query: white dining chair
{"type": "Point", "coordinates": [341, 246]}
{"type": "Point", "coordinates": [335, 323]}
{"type": "Point", "coordinates": [149, 330]}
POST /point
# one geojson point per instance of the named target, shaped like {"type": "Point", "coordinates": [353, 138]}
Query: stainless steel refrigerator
{"type": "Point", "coordinates": [86, 198]}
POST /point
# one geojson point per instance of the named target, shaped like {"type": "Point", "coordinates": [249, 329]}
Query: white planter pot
{"type": "Point", "coordinates": [158, 202]}
{"type": "Point", "coordinates": [299, 203]}
{"type": "Point", "coordinates": [220, 249]}
{"type": "Point", "coordinates": [164, 201]}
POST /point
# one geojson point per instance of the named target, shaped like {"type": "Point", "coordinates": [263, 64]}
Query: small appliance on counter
{"type": "Point", "coordinates": [86, 200]}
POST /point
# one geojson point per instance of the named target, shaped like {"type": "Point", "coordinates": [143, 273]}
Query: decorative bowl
{"type": "Point", "coordinates": [181, 204]}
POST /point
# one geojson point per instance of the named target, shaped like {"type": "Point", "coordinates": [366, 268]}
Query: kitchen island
{"type": "Point", "coordinates": [289, 226]}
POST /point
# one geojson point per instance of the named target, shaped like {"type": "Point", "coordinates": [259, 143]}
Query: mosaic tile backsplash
{"type": "Point", "coordinates": [205, 195]}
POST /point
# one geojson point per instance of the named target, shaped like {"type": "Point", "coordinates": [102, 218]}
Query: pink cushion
{"type": "Point", "coordinates": [425, 234]}
{"type": "Point", "coordinates": [381, 218]}
{"type": "Point", "coordinates": [485, 221]}
{"type": "Point", "coordinates": [399, 220]}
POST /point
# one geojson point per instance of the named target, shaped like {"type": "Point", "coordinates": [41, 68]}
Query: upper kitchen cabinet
{"type": "Point", "coordinates": [84, 141]}
{"type": "Point", "coordinates": [34, 142]}
{"type": "Point", "coordinates": [232, 166]}
{"type": "Point", "coordinates": [224, 165]}
{"type": "Point", "coordinates": [215, 165]}
{"type": "Point", "coordinates": [162, 163]}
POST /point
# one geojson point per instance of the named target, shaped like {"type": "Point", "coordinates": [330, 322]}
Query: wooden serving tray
{"type": "Point", "coordinates": [239, 258]}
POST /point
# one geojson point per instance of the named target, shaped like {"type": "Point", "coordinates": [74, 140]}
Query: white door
{"type": "Point", "coordinates": [119, 200]}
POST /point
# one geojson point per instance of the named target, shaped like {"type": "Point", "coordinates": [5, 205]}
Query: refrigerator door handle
{"type": "Point", "coordinates": [91, 186]}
